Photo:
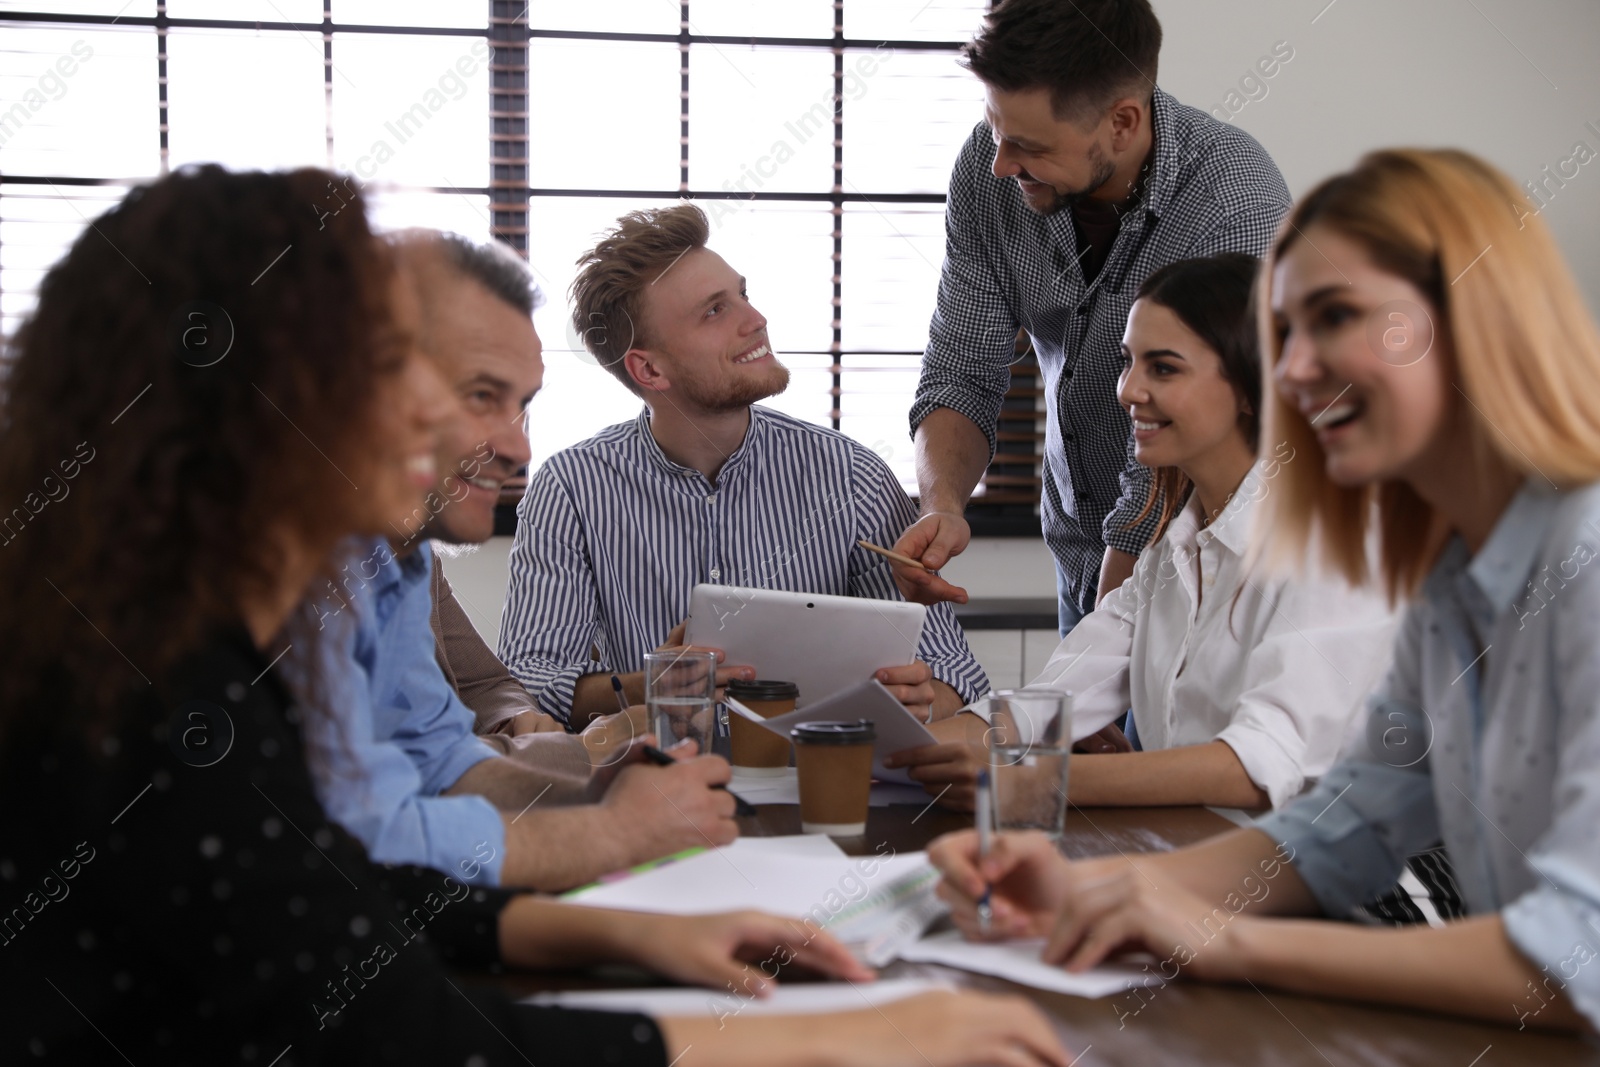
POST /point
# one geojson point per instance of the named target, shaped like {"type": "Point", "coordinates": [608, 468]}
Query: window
{"type": "Point", "coordinates": [834, 214]}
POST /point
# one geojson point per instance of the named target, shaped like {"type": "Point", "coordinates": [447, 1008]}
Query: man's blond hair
{"type": "Point", "coordinates": [608, 293]}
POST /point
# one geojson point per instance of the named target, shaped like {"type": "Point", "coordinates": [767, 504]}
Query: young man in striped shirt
{"type": "Point", "coordinates": [704, 486]}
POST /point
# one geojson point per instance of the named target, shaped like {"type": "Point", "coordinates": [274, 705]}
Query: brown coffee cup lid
{"type": "Point", "coordinates": [860, 732]}
{"type": "Point", "coordinates": [760, 690]}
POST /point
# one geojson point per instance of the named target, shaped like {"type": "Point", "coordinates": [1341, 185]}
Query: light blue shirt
{"type": "Point", "coordinates": [1485, 734]}
{"type": "Point", "coordinates": [406, 737]}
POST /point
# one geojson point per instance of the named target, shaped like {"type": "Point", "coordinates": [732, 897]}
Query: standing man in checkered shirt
{"type": "Point", "coordinates": [1082, 180]}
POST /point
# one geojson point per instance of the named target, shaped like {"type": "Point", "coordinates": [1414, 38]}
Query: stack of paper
{"type": "Point", "coordinates": [806, 877]}
{"type": "Point", "coordinates": [880, 905]}
{"type": "Point", "coordinates": [1018, 961]}
{"type": "Point", "coordinates": [786, 999]}
{"type": "Point", "coordinates": [785, 789]}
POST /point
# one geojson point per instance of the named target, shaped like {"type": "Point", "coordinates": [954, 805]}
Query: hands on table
{"type": "Point", "coordinates": [936, 1029]}
{"type": "Point", "coordinates": [668, 809]}
{"type": "Point", "coordinates": [1089, 910]}
{"type": "Point", "coordinates": [949, 769]}
{"type": "Point", "coordinates": [739, 950]}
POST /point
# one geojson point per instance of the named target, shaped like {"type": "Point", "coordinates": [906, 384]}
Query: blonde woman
{"type": "Point", "coordinates": [1434, 363]}
{"type": "Point", "coordinates": [1243, 686]}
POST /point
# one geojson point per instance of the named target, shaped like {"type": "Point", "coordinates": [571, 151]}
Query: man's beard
{"type": "Point", "coordinates": [720, 397]}
{"type": "Point", "coordinates": [1104, 171]}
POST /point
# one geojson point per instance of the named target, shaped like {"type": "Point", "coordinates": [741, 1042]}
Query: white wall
{"type": "Point", "coordinates": [993, 566]}
{"type": "Point", "coordinates": [1514, 81]}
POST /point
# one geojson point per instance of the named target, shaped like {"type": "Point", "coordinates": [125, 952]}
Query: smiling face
{"type": "Point", "coordinates": [1186, 413]}
{"type": "Point", "coordinates": [708, 347]}
{"type": "Point", "coordinates": [1054, 161]}
{"type": "Point", "coordinates": [489, 356]}
{"type": "Point", "coordinates": [1361, 361]}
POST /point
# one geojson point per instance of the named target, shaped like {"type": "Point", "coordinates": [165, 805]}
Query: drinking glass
{"type": "Point", "coordinates": [680, 691]}
{"type": "Point", "coordinates": [1029, 740]}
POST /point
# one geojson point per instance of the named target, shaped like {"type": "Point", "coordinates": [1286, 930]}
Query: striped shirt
{"type": "Point", "coordinates": [1211, 188]}
{"type": "Point", "coordinates": [612, 536]}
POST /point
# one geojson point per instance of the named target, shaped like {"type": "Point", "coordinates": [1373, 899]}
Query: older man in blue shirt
{"type": "Point", "coordinates": [405, 774]}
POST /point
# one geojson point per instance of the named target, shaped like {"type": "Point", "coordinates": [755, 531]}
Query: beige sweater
{"type": "Point", "coordinates": [485, 686]}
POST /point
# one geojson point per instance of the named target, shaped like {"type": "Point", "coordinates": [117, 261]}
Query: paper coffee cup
{"type": "Point", "coordinates": [835, 762]}
{"type": "Point", "coordinates": [758, 751]}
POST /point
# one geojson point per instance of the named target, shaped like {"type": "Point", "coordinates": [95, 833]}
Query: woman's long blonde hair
{"type": "Point", "coordinates": [1525, 353]}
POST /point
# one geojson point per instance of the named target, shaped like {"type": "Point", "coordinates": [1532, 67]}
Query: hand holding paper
{"type": "Point", "coordinates": [896, 727]}
{"type": "Point", "coordinates": [912, 686]}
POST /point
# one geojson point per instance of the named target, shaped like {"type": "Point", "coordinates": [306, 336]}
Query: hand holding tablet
{"type": "Point", "coordinates": [821, 643]}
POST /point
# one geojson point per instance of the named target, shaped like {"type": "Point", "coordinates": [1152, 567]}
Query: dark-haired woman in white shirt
{"type": "Point", "coordinates": [1243, 687]}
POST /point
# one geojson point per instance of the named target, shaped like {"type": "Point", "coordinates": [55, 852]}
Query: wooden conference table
{"type": "Point", "coordinates": [1182, 1022]}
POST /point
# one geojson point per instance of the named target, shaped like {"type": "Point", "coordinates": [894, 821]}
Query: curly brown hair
{"type": "Point", "coordinates": [174, 454]}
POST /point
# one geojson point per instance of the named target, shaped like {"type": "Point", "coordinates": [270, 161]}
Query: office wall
{"type": "Point", "coordinates": [1513, 81]}
{"type": "Point", "coordinates": [995, 566]}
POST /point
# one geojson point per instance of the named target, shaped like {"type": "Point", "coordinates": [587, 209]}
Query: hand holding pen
{"type": "Point", "coordinates": [661, 759]}
{"type": "Point", "coordinates": [1020, 878]}
{"type": "Point", "coordinates": [985, 826]}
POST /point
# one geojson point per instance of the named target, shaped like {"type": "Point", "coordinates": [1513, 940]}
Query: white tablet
{"type": "Point", "coordinates": [820, 643]}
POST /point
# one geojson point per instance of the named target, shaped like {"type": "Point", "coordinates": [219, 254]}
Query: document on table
{"type": "Point", "coordinates": [789, 998]}
{"type": "Point", "coordinates": [818, 845]}
{"type": "Point", "coordinates": [874, 904]}
{"type": "Point", "coordinates": [740, 876]}
{"type": "Point", "coordinates": [1018, 961]}
{"type": "Point", "coordinates": [785, 789]}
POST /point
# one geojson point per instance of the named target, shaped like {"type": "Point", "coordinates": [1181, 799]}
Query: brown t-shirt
{"type": "Point", "coordinates": [494, 696]}
{"type": "Point", "coordinates": [1096, 223]}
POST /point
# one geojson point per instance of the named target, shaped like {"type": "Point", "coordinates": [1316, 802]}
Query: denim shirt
{"type": "Point", "coordinates": [1486, 734]}
{"type": "Point", "coordinates": [406, 737]}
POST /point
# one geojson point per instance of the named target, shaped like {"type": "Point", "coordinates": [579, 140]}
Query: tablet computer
{"type": "Point", "coordinates": [821, 643]}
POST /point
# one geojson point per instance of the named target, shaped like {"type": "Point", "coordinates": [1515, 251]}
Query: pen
{"type": "Point", "coordinates": [616, 687]}
{"type": "Point", "coordinates": [741, 806]}
{"type": "Point", "coordinates": [981, 816]}
{"type": "Point", "coordinates": [897, 557]}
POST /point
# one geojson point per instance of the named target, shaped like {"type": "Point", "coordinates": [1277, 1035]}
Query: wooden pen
{"type": "Point", "coordinates": [897, 557]}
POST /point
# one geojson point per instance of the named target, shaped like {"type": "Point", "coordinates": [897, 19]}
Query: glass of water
{"type": "Point", "coordinates": [1029, 740]}
{"type": "Point", "coordinates": [680, 695]}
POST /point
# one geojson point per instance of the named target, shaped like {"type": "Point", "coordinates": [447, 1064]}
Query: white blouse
{"type": "Point", "coordinates": [1275, 667]}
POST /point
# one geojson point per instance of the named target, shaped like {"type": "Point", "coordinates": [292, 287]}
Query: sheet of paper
{"type": "Point", "coordinates": [1018, 961]}
{"type": "Point", "coordinates": [820, 845]}
{"type": "Point", "coordinates": [815, 886]}
{"type": "Point", "coordinates": [897, 729]}
{"type": "Point", "coordinates": [785, 789]}
{"type": "Point", "coordinates": [886, 793]}
{"type": "Point", "coordinates": [793, 998]}
{"type": "Point", "coordinates": [891, 916]}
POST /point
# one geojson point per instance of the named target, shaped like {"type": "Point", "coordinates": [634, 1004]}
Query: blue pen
{"type": "Point", "coordinates": [985, 825]}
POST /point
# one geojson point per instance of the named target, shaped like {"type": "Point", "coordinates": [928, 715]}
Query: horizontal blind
{"type": "Point", "coordinates": [818, 136]}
